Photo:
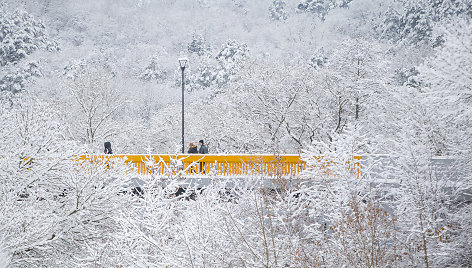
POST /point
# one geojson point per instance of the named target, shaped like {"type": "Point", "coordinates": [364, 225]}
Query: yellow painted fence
{"type": "Point", "coordinates": [219, 165]}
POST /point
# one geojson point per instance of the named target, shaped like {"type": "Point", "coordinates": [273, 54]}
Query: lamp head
{"type": "Point", "coordinates": [183, 62]}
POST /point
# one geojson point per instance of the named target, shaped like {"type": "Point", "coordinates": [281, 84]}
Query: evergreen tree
{"type": "Point", "coordinates": [20, 35]}
{"type": "Point", "coordinates": [16, 77]}
{"type": "Point", "coordinates": [322, 7]}
{"type": "Point", "coordinates": [153, 71]}
{"type": "Point", "coordinates": [228, 62]}
{"type": "Point", "coordinates": [415, 21]}
{"type": "Point", "coordinates": [277, 10]}
{"type": "Point", "coordinates": [319, 59]}
{"type": "Point", "coordinates": [198, 45]}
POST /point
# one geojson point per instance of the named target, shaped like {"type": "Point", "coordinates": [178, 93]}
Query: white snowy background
{"type": "Point", "coordinates": [390, 80]}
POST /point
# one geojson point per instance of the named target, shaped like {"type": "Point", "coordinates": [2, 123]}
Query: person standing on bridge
{"type": "Point", "coordinates": [192, 149]}
{"type": "Point", "coordinates": [203, 148]}
{"type": "Point", "coordinates": [108, 148]}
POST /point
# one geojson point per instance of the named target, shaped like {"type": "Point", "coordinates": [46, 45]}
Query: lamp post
{"type": "Point", "coordinates": [183, 64]}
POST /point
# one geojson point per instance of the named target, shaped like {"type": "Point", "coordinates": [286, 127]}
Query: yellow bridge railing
{"type": "Point", "coordinates": [219, 165]}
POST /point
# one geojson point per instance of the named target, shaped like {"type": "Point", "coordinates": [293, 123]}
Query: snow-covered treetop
{"type": "Point", "coordinates": [20, 35]}
{"type": "Point", "coordinates": [153, 72]}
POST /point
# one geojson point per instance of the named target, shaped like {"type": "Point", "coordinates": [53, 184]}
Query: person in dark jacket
{"type": "Point", "coordinates": [108, 148]}
{"type": "Point", "coordinates": [192, 149]}
{"type": "Point", "coordinates": [203, 148]}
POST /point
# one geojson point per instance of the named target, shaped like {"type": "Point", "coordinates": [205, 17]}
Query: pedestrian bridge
{"type": "Point", "coordinates": [186, 165]}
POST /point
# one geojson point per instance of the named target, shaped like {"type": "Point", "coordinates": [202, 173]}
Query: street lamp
{"type": "Point", "coordinates": [183, 64]}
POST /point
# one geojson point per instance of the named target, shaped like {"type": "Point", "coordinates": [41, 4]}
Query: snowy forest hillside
{"type": "Point", "coordinates": [312, 77]}
{"type": "Point", "coordinates": [350, 62]}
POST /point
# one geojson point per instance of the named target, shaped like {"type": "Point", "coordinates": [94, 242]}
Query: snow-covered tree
{"type": "Point", "coordinates": [322, 7]}
{"type": "Point", "coordinates": [456, 243]}
{"type": "Point", "coordinates": [219, 73]}
{"type": "Point", "coordinates": [348, 214]}
{"type": "Point", "coordinates": [413, 23]}
{"type": "Point", "coordinates": [319, 59]}
{"type": "Point", "coordinates": [94, 103]}
{"type": "Point", "coordinates": [448, 85]}
{"type": "Point", "coordinates": [277, 10]}
{"type": "Point", "coordinates": [445, 130]}
{"type": "Point", "coordinates": [408, 77]}
{"type": "Point", "coordinates": [15, 78]}
{"type": "Point", "coordinates": [232, 53]}
{"type": "Point", "coordinates": [55, 210]}
{"type": "Point", "coordinates": [97, 61]}
{"type": "Point", "coordinates": [198, 45]}
{"type": "Point", "coordinates": [205, 75]}
{"type": "Point", "coordinates": [153, 72]}
{"type": "Point", "coordinates": [429, 189]}
{"type": "Point", "coordinates": [299, 105]}
{"type": "Point", "coordinates": [20, 35]}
